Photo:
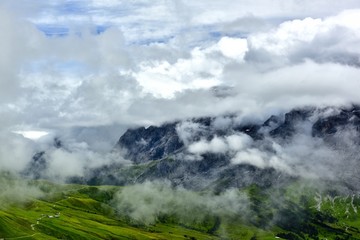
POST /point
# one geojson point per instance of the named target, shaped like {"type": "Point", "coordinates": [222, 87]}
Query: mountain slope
{"type": "Point", "coordinates": [85, 212]}
{"type": "Point", "coordinates": [292, 176]}
{"type": "Point", "coordinates": [204, 148]}
{"type": "Point", "coordinates": [228, 151]}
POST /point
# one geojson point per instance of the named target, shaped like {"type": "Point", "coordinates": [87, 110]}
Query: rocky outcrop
{"type": "Point", "coordinates": [154, 143]}
{"type": "Point", "coordinates": [144, 144]}
{"type": "Point", "coordinates": [37, 166]}
{"type": "Point", "coordinates": [287, 128]}
{"type": "Point", "coordinates": [346, 118]}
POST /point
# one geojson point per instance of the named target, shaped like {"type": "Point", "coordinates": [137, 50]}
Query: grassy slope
{"type": "Point", "coordinates": [84, 214]}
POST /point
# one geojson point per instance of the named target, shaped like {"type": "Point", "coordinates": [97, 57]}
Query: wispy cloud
{"type": "Point", "coordinates": [125, 63]}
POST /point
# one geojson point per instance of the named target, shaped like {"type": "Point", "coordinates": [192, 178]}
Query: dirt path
{"type": "Point", "coordinates": [20, 237]}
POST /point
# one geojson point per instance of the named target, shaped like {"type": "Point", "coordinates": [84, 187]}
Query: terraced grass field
{"type": "Point", "coordinates": [87, 212]}
{"type": "Point", "coordinates": [77, 212]}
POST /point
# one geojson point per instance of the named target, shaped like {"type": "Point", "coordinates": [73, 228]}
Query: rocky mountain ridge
{"type": "Point", "coordinates": [223, 152]}
{"type": "Point", "coordinates": [153, 143]}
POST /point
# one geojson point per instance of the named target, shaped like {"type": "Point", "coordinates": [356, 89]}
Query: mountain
{"type": "Point", "coordinates": [153, 143]}
{"type": "Point", "coordinates": [163, 150]}
{"type": "Point", "coordinates": [207, 153]}
{"type": "Point", "coordinates": [290, 176]}
{"type": "Point", "coordinates": [144, 144]}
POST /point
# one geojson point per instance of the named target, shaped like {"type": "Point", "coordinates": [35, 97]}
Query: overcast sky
{"type": "Point", "coordinates": [88, 63]}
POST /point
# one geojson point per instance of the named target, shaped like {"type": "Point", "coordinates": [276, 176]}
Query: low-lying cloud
{"type": "Point", "coordinates": [146, 203]}
{"type": "Point", "coordinates": [16, 191]}
{"type": "Point", "coordinates": [300, 154]}
{"type": "Point", "coordinates": [51, 158]}
{"type": "Point", "coordinates": [15, 152]}
{"type": "Point", "coordinates": [233, 143]}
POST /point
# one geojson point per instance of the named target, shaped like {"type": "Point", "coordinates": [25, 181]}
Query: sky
{"type": "Point", "coordinates": [96, 67]}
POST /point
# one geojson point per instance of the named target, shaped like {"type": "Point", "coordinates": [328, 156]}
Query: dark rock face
{"type": "Point", "coordinates": [330, 125]}
{"type": "Point", "coordinates": [288, 127]}
{"type": "Point", "coordinates": [154, 143]}
{"type": "Point", "coordinates": [161, 152]}
{"type": "Point", "coordinates": [272, 121]}
{"type": "Point", "coordinates": [57, 143]}
{"type": "Point", "coordinates": [37, 166]}
{"type": "Point", "coordinates": [212, 172]}
{"type": "Point", "coordinates": [144, 144]}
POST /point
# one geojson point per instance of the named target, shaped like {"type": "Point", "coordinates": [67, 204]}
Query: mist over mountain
{"type": "Point", "coordinates": [320, 144]}
{"type": "Point", "coordinates": [179, 119]}
{"type": "Point", "coordinates": [296, 172]}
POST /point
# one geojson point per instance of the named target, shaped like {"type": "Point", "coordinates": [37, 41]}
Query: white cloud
{"type": "Point", "coordinates": [15, 152]}
{"type": "Point", "coordinates": [323, 40]}
{"type": "Point", "coordinates": [288, 35]}
{"type": "Point", "coordinates": [145, 202]}
{"type": "Point", "coordinates": [238, 142]}
{"type": "Point", "coordinates": [233, 47]}
{"type": "Point", "coordinates": [214, 146]}
{"type": "Point", "coordinates": [347, 18]}
{"type": "Point", "coordinates": [214, 12]}
{"type": "Point", "coordinates": [32, 134]}
{"type": "Point", "coordinates": [74, 158]}
{"type": "Point", "coordinates": [120, 77]}
{"type": "Point", "coordinates": [71, 164]}
{"type": "Point", "coordinates": [232, 143]}
{"type": "Point", "coordinates": [16, 46]}
{"type": "Point", "coordinates": [250, 156]}
{"type": "Point", "coordinates": [163, 79]}
{"type": "Point", "coordinates": [188, 130]}
{"type": "Point", "coordinates": [105, 3]}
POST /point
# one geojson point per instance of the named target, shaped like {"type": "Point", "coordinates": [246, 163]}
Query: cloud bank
{"type": "Point", "coordinates": [78, 68]}
{"type": "Point", "coordinates": [146, 203]}
{"type": "Point", "coordinates": [87, 78]}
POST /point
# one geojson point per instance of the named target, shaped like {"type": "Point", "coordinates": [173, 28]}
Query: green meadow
{"type": "Point", "coordinates": [90, 212]}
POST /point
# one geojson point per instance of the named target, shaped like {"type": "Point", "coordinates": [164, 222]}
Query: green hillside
{"type": "Point", "coordinates": [87, 212]}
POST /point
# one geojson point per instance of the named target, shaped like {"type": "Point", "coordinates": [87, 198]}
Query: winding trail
{"type": "Point", "coordinates": [27, 236]}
